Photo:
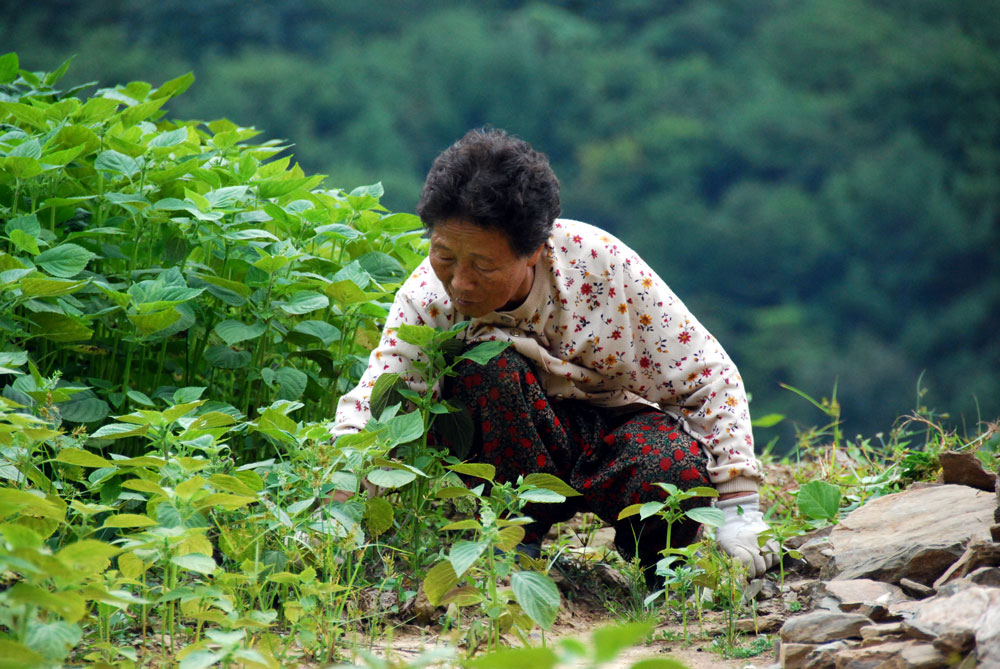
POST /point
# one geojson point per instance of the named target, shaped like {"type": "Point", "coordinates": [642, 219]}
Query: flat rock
{"type": "Point", "coordinates": [916, 590]}
{"type": "Point", "coordinates": [977, 554]}
{"type": "Point", "coordinates": [793, 655]}
{"type": "Point", "coordinates": [872, 656]}
{"type": "Point", "coordinates": [915, 534]}
{"type": "Point", "coordinates": [964, 468]}
{"type": "Point", "coordinates": [988, 638]}
{"type": "Point", "coordinates": [825, 656]}
{"type": "Point", "coordinates": [958, 615]}
{"type": "Point", "coordinates": [854, 592]}
{"type": "Point", "coordinates": [820, 627]}
{"type": "Point", "coordinates": [988, 576]}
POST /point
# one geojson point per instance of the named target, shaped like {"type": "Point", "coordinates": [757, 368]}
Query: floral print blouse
{"type": "Point", "coordinates": [600, 326]}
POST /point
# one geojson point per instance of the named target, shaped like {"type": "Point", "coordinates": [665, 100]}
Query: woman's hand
{"type": "Point", "coordinates": [738, 536]}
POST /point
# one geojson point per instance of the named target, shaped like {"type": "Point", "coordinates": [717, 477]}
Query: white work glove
{"type": "Point", "coordinates": [738, 536]}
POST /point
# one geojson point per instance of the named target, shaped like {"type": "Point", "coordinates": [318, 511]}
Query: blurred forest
{"type": "Point", "coordinates": [819, 180]}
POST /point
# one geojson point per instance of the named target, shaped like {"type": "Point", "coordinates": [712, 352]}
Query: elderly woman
{"type": "Point", "coordinates": [609, 383]}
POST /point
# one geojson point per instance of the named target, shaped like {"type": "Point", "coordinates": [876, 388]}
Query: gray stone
{"type": "Point", "coordinates": [872, 657]}
{"type": "Point", "coordinates": [915, 534]}
{"type": "Point", "coordinates": [825, 656]}
{"type": "Point", "coordinates": [761, 624]}
{"type": "Point", "coordinates": [823, 626]}
{"type": "Point", "coordinates": [855, 592]}
{"type": "Point", "coordinates": [883, 631]}
{"type": "Point", "coordinates": [922, 656]}
{"type": "Point", "coordinates": [988, 637]}
{"type": "Point", "coordinates": [988, 576]}
{"type": "Point", "coordinates": [793, 655]}
{"type": "Point", "coordinates": [817, 552]}
{"type": "Point", "coordinates": [916, 590]}
{"type": "Point", "coordinates": [955, 615]}
{"type": "Point", "coordinates": [866, 597]}
{"type": "Point", "coordinates": [797, 541]}
{"type": "Point", "coordinates": [977, 554]}
{"type": "Point", "coordinates": [964, 468]}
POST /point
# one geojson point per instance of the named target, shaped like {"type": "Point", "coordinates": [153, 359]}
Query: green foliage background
{"type": "Point", "coordinates": [817, 179]}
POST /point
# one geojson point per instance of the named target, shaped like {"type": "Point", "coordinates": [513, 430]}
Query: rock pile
{"type": "Point", "coordinates": [909, 580]}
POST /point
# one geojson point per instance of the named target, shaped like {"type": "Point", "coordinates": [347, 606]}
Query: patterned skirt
{"type": "Point", "coordinates": [612, 458]}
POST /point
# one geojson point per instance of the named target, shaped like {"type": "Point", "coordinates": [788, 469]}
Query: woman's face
{"type": "Point", "coordinates": [479, 270]}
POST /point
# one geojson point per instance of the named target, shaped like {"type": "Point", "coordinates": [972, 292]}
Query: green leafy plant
{"type": "Point", "coordinates": [533, 598]}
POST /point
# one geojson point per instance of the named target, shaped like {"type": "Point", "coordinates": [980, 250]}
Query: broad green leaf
{"type": "Point", "coordinates": [227, 358]}
{"type": "Point", "coordinates": [143, 485]}
{"type": "Point", "coordinates": [233, 286]}
{"type": "Point", "coordinates": [30, 148]}
{"type": "Point", "coordinates": [173, 87]}
{"type": "Point", "coordinates": [509, 537]}
{"type": "Point", "coordinates": [551, 482]}
{"type": "Point", "coordinates": [770, 420]}
{"type": "Point", "coordinates": [659, 663]}
{"type": "Point", "coordinates": [224, 501]}
{"type": "Point", "coordinates": [379, 516]}
{"type": "Point", "coordinates": [87, 557]}
{"type": "Point", "coordinates": [58, 327]}
{"type": "Point", "coordinates": [131, 566]}
{"type": "Point", "coordinates": [630, 510]}
{"type": "Point", "coordinates": [466, 524]}
{"type": "Point", "coordinates": [533, 657]}
{"type": "Point", "coordinates": [117, 163]}
{"type": "Point", "coordinates": [124, 520]}
{"type": "Point", "coordinates": [463, 596]}
{"type": "Point", "coordinates": [231, 484]}
{"type": "Point", "coordinates": [484, 352]}
{"type": "Point", "coordinates": [78, 456]}
{"type": "Point", "coordinates": [26, 114]}
{"type": "Point", "coordinates": [327, 334]}
{"type": "Point", "coordinates": [382, 267]}
{"type": "Point", "coordinates": [707, 515]}
{"type": "Point", "coordinates": [537, 595]}
{"type": "Point", "coordinates": [611, 640]}
{"type": "Point", "coordinates": [120, 431]}
{"type": "Point", "coordinates": [477, 469]}
{"type": "Point", "coordinates": [168, 139]}
{"type": "Point", "coordinates": [304, 302]}
{"type": "Point", "coordinates": [203, 564]}
{"type": "Point", "coordinates": [54, 639]}
{"type": "Point", "coordinates": [385, 392]}
{"type": "Point", "coordinates": [185, 489]}
{"type": "Point", "coordinates": [542, 496]}
{"type": "Point", "coordinates": [233, 332]}
{"type": "Point", "coordinates": [452, 492]}
{"type": "Point", "coordinates": [9, 66]}
{"type": "Point", "coordinates": [68, 605]}
{"type": "Point", "coordinates": [404, 428]}
{"type": "Point", "coordinates": [10, 360]}
{"type": "Point", "coordinates": [390, 478]}
{"type": "Point", "coordinates": [84, 409]}
{"type": "Point", "coordinates": [464, 554]}
{"type": "Point", "coordinates": [27, 223]}
{"type": "Point", "coordinates": [345, 292]}
{"type": "Point", "coordinates": [31, 504]}
{"type": "Point", "coordinates": [65, 260]}
{"type": "Point", "coordinates": [15, 655]}
{"type": "Point", "coordinates": [23, 167]}
{"type": "Point", "coordinates": [418, 335]}
{"type": "Point", "coordinates": [140, 112]}
{"type": "Point", "coordinates": [819, 500]}
{"type": "Point", "coordinates": [439, 580]}
{"type": "Point", "coordinates": [293, 383]}
{"type": "Point", "coordinates": [39, 287]}
{"type": "Point", "coordinates": [151, 323]}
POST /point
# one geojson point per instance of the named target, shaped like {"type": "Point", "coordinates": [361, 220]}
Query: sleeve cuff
{"type": "Point", "coordinates": [738, 484]}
